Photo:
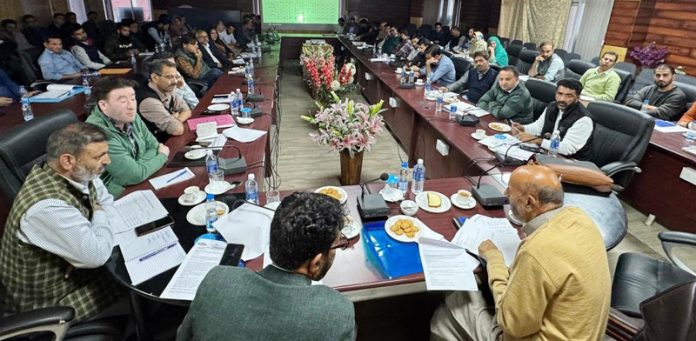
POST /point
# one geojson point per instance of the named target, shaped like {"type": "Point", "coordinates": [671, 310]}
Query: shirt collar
{"type": "Point", "coordinates": [164, 97]}
{"type": "Point", "coordinates": [513, 88]}
{"type": "Point", "coordinates": [534, 224]}
{"type": "Point", "coordinates": [83, 188]}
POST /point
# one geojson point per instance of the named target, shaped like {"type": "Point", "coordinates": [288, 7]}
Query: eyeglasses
{"type": "Point", "coordinates": [168, 77]}
{"type": "Point", "coordinates": [342, 243]}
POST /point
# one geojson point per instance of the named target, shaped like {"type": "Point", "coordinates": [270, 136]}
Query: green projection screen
{"type": "Point", "coordinates": [300, 11]}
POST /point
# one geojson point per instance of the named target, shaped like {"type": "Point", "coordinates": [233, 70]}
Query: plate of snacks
{"type": "Point", "coordinates": [337, 193]}
{"type": "Point", "coordinates": [404, 228]}
{"type": "Point", "coordinates": [501, 127]}
{"type": "Point", "coordinates": [433, 202]}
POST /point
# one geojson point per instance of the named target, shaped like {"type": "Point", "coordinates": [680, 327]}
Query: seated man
{"type": "Point", "coordinates": [662, 100]}
{"type": "Point", "coordinates": [569, 117]}
{"type": "Point", "coordinates": [457, 40]}
{"type": "Point", "coordinates": [120, 45]}
{"type": "Point", "coordinates": [57, 64]}
{"type": "Point", "coordinates": [85, 51]}
{"type": "Point", "coordinates": [135, 153]}
{"type": "Point", "coordinates": [509, 99]}
{"type": "Point", "coordinates": [182, 89]}
{"type": "Point", "coordinates": [280, 302]}
{"type": "Point", "coordinates": [211, 54]}
{"type": "Point", "coordinates": [9, 90]}
{"type": "Point", "coordinates": [405, 48]}
{"type": "Point", "coordinates": [189, 60]}
{"type": "Point", "coordinates": [437, 35]}
{"type": "Point", "coordinates": [547, 66]}
{"type": "Point", "coordinates": [602, 83]}
{"type": "Point", "coordinates": [557, 288]}
{"type": "Point", "coordinates": [58, 235]}
{"type": "Point", "coordinates": [163, 112]}
{"type": "Point", "coordinates": [477, 81]}
{"type": "Point", "coordinates": [417, 58]}
{"type": "Point", "coordinates": [438, 67]}
{"type": "Point", "coordinates": [391, 41]}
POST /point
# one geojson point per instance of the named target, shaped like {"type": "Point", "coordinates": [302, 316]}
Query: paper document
{"type": "Point", "coordinates": [136, 209]}
{"type": "Point", "coordinates": [217, 99]}
{"type": "Point", "coordinates": [447, 266]}
{"type": "Point", "coordinates": [494, 141]}
{"type": "Point", "coordinates": [243, 135]}
{"type": "Point", "coordinates": [514, 152]}
{"type": "Point", "coordinates": [223, 121]}
{"type": "Point", "coordinates": [499, 230]}
{"type": "Point", "coordinates": [668, 127]}
{"type": "Point", "coordinates": [143, 268]}
{"type": "Point", "coordinates": [148, 244]}
{"type": "Point", "coordinates": [172, 178]}
{"type": "Point", "coordinates": [202, 257]}
{"type": "Point", "coordinates": [466, 108]}
{"type": "Point", "coordinates": [249, 225]}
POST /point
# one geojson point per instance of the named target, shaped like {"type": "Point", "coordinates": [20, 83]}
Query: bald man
{"type": "Point", "coordinates": [558, 287]}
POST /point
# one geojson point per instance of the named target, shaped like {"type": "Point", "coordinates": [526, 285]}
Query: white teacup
{"type": "Point", "coordinates": [409, 207]}
{"type": "Point", "coordinates": [480, 133]}
{"type": "Point", "coordinates": [191, 193]}
{"type": "Point", "coordinates": [419, 82]}
{"type": "Point", "coordinates": [399, 70]}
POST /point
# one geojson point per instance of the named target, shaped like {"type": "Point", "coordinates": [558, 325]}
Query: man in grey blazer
{"type": "Point", "coordinates": [279, 302]}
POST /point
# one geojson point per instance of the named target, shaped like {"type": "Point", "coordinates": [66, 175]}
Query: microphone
{"type": "Point", "coordinates": [372, 206]}
{"type": "Point", "coordinates": [488, 195]}
{"type": "Point", "coordinates": [504, 160]}
{"type": "Point", "coordinates": [235, 165]}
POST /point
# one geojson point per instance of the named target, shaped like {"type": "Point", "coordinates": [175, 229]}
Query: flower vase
{"type": "Point", "coordinates": [351, 168]}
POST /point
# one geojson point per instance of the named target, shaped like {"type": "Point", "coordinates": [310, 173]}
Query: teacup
{"type": "Point", "coordinates": [409, 207]}
{"type": "Point", "coordinates": [191, 193]}
{"type": "Point", "coordinates": [480, 133]}
{"type": "Point", "coordinates": [463, 196]}
{"type": "Point", "coordinates": [419, 82]}
{"type": "Point", "coordinates": [399, 70]}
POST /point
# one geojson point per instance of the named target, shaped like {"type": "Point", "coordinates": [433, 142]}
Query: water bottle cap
{"type": "Point", "coordinates": [251, 176]}
{"type": "Point", "coordinates": [209, 152]}
{"type": "Point", "coordinates": [420, 161]}
{"type": "Point", "coordinates": [209, 196]}
{"type": "Point", "coordinates": [237, 90]}
{"type": "Point", "coordinates": [404, 164]}
{"type": "Point", "coordinates": [246, 110]}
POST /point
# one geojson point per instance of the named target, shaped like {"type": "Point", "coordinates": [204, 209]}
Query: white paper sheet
{"type": "Point", "coordinates": [249, 225]}
{"type": "Point", "coordinates": [447, 266]}
{"type": "Point", "coordinates": [136, 209]}
{"type": "Point", "coordinates": [494, 141]}
{"type": "Point", "coordinates": [172, 178]}
{"type": "Point", "coordinates": [149, 243]}
{"type": "Point", "coordinates": [142, 269]}
{"type": "Point", "coordinates": [499, 230]}
{"type": "Point", "coordinates": [671, 129]}
{"type": "Point", "coordinates": [243, 135]}
{"type": "Point", "coordinates": [202, 258]}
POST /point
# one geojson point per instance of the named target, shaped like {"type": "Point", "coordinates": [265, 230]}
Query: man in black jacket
{"type": "Point", "coordinates": [211, 54]}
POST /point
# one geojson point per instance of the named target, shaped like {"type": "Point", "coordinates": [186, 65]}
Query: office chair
{"type": "Point", "coordinates": [24, 146]}
{"type": "Point", "coordinates": [513, 51]}
{"type": "Point", "coordinates": [58, 321]}
{"type": "Point", "coordinates": [530, 46]}
{"type": "Point", "coordinates": [461, 66]}
{"type": "Point", "coordinates": [542, 94]}
{"type": "Point", "coordinates": [561, 53]}
{"type": "Point", "coordinates": [504, 41]}
{"type": "Point", "coordinates": [690, 92]}
{"type": "Point", "coordinates": [625, 85]}
{"type": "Point", "coordinates": [619, 140]}
{"type": "Point", "coordinates": [630, 67]}
{"type": "Point", "coordinates": [526, 60]}
{"type": "Point", "coordinates": [576, 68]}
{"type": "Point", "coordinates": [517, 42]}
{"type": "Point", "coordinates": [570, 56]}
{"type": "Point", "coordinates": [686, 79]}
{"type": "Point", "coordinates": [595, 61]}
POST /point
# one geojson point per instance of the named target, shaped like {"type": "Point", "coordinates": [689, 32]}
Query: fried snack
{"type": "Point", "coordinates": [332, 192]}
{"type": "Point", "coordinates": [434, 200]}
{"type": "Point", "coordinates": [404, 226]}
{"type": "Point", "coordinates": [496, 126]}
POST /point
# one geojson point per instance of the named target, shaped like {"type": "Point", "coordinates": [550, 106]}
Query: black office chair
{"type": "Point", "coordinates": [595, 61]}
{"type": "Point", "coordinates": [461, 66]}
{"type": "Point", "coordinates": [689, 91]}
{"type": "Point", "coordinates": [411, 29]}
{"type": "Point", "coordinates": [58, 322]}
{"type": "Point", "coordinates": [516, 42]}
{"type": "Point", "coordinates": [576, 68]}
{"type": "Point", "coordinates": [638, 277]}
{"type": "Point", "coordinates": [24, 146]}
{"type": "Point", "coordinates": [686, 79]}
{"type": "Point", "coordinates": [526, 60]}
{"type": "Point", "coordinates": [645, 77]}
{"type": "Point", "coordinates": [619, 140]}
{"type": "Point", "coordinates": [628, 67]}
{"type": "Point", "coordinates": [514, 51]}
{"type": "Point", "coordinates": [496, 67]}
{"type": "Point", "coordinates": [530, 46]}
{"type": "Point", "coordinates": [542, 94]}
{"type": "Point", "coordinates": [504, 41]}
{"type": "Point", "coordinates": [561, 53]}
{"type": "Point", "coordinates": [424, 30]}
{"type": "Point", "coordinates": [625, 86]}
{"type": "Point", "coordinates": [570, 56]}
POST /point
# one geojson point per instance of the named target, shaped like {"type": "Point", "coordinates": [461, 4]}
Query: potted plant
{"type": "Point", "coordinates": [649, 56]}
{"type": "Point", "coordinates": [349, 128]}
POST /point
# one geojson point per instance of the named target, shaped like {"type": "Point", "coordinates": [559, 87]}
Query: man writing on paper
{"type": "Point", "coordinates": [558, 287]}
{"type": "Point", "coordinates": [163, 111]}
{"type": "Point", "coordinates": [57, 235]}
{"type": "Point", "coordinates": [569, 117]}
{"type": "Point", "coordinates": [134, 151]}
{"type": "Point", "coordinates": [279, 302]}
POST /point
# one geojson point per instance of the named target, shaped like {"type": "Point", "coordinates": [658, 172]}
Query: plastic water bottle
{"type": "Point", "coordinates": [240, 99]}
{"type": "Point", "coordinates": [411, 76]}
{"type": "Point", "coordinates": [85, 84]}
{"type": "Point", "coordinates": [439, 100]}
{"type": "Point", "coordinates": [644, 107]}
{"type": "Point", "coordinates": [250, 85]}
{"type": "Point", "coordinates": [403, 178]}
{"type": "Point", "coordinates": [374, 50]}
{"type": "Point", "coordinates": [251, 188]}
{"type": "Point", "coordinates": [418, 177]}
{"type": "Point", "coordinates": [251, 66]}
{"type": "Point", "coordinates": [453, 112]}
{"type": "Point", "coordinates": [234, 105]}
{"type": "Point", "coordinates": [403, 79]}
{"type": "Point", "coordinates": [555, 142]}
{"type": "Point", "coordinates": [26, 105]}
{"type": "Point", "coordinates": [379, 51]}
{"type": "Point", "coordinates": [133, 60]}
{"type": "Point", "coordinates": [211, 162]}
{"type": "Point", "coordinates": [210, 213]}
{"type": "Point", "coordinates": [428, 86]}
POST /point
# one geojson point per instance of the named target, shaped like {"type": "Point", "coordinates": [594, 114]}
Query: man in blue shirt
{"type": "Point", "coordinates": [56, 63]}
{"type": "Point", "coordinates": [9, 90]}
{"type": "Point", "coordinates": [443, 73]}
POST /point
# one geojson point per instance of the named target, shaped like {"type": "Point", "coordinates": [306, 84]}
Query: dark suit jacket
{"type": "Point", "coordinates": [238, 304]}
{"type": "Point", "coordinates": [209, 60]}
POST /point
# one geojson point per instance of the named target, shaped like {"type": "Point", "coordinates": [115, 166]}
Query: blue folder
{"type": "Point", "coordinates": [391, 257]}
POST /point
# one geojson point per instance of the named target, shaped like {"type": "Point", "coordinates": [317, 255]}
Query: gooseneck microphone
{"type": "Point", "coordinates": [372, 206]}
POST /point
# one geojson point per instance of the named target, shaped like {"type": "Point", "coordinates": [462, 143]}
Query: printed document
{"type": "Point", "coordinates": [203, 257]}
{"type": "Point", "coordinates": [136, 209]}
{"type": "Point", "coordinates": [447, 266]}
{"type": "Point", "coordinates": [249, 225]}
{"type": "Point", "coordinates": [480, 228]}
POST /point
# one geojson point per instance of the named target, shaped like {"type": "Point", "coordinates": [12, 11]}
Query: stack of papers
{"type": "Point", "coordinates": [480, 228]}
{"type": "Point", "coordinates": [56, 92]}
{"type": "Point", "coordinates": [466, 108]}
{"type": "Point", "coordinates": [379, 59]}
{"type": "Point", "coordinates": [668, 127]}
{"type": "Point", "coordinates": [243, 135]}
{"type": "Point", "coordinates": [497, 140]}
{"type": "Point", "coordinates": [172, 178]}
{"type": "Point", "coordinates": [447, 266]}
{"type": "Point", "coordinates": [202, 258]}
{"type": "Point", "coordinates": [133, 210]}
{"type": "Point", "coordinates": [249, 225]}
{"type": "Point", "coordinates": [223, 121]}
{"type": "Point", "coordinates": [152, 254]}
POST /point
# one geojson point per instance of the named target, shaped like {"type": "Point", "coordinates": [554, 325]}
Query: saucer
{"type": "Point", "coordinates": [245, 120]}
{"type": "Point", "coordinates": [219, 107]}
{"type": "Point", "coordinates": [196, 215]}
{"type": "Point", "coordinates": [473, 135]}
{"type": "Point", "coordinates": [469, 204]}
{"type": "Point", "coordinates": [195, 154]}
{"type": "Point", "coordinates": [351, 228]}
{"type": "Point", "coordinates": [217, 191]}
{"type": "Point", "coordinates": [419, 83]}
{"type": "Point", "coordinates": [273, 205]}
{"type": "Point", "coordinates": [199, 198]}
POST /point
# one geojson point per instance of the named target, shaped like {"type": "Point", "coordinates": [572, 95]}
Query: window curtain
{"type": "Point", "coordinates": [534, 20]}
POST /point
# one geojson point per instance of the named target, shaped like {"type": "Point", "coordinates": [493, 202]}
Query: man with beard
{"type": "Point", "coordinates": [477, 80]}
{"type": "Point", "coordinates": [279, 302]}
{"type": "Point", "coordinates": [58, 234]}
{"type": "Point", "coordinates": [557, 288]}
{"type": "Point", "coordinates": [120, 45]}
{"type": "Point", "coordinates": [134, 151]}
{"type": "Point", "coordinates": [567, 116]}
{"type": "Point", "coordinates": [547, 66]}
{"type": "Point", "coordinates": [664, 100]}
{"type": "Point", "coordinates": [164, 112]}
{"type": "Point", "coordinates": [85, 51]}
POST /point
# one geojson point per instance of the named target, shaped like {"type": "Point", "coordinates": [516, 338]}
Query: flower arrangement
{"type": "Point", "coordinates": [319, 72]}
{"type": "Point", "coordinates": [346, 125]}
{"type": "Point", "coordinates": [649, 56]}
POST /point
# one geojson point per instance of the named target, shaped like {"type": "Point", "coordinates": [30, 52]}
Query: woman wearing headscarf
{"type": "Point", "coordinates": [477, 44]}
{"type": "Point", "coordinates": [496, 52]}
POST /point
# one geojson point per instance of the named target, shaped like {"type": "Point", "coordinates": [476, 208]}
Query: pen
{"type": "Point", "coordinates": [155, 253]}
{"type": "Point", "coordinates": [177, 176]}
